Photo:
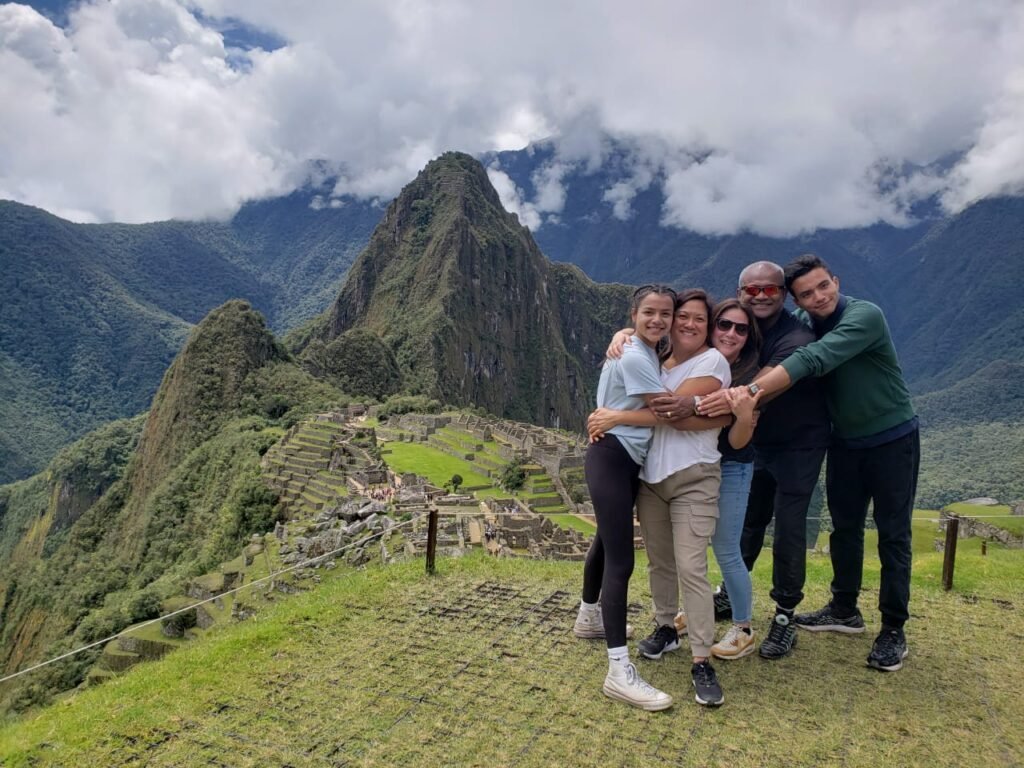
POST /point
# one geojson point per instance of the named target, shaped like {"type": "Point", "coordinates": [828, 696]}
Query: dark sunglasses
{"type": "Point", "coordinates": [742, 329]}
{"type": "Point", "coordinates": [771, 291]}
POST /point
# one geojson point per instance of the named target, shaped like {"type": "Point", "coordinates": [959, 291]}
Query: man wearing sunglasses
{"type": "Point", "coordinates": [874, 454]}
{"type": "Point", "coordinates": [789, 444]}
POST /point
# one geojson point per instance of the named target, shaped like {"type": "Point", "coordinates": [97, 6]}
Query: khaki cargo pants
{"type": "Point", "coordinates": [677, 520]}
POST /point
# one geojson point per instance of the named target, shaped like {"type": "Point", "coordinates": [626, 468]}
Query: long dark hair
{"type": "Point", "coordinates": [747, 363]}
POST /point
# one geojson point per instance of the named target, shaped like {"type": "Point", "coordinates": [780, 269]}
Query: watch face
{"type": "Point", "coordinates": [754, 389]}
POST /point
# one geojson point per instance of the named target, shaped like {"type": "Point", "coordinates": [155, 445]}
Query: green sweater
{"type": "Point", "coordinates": [864, 385]}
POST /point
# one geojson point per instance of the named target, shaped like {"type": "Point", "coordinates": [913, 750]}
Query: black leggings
{"type": "Point", "coordinates": [613, 479]}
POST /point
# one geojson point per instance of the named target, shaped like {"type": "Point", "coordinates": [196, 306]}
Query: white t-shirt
{"type": "Point", "coordinates": [673, 450]}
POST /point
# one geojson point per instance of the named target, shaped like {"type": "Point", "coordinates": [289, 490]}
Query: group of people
{"type": "Point", "coordinates": [713, 420]}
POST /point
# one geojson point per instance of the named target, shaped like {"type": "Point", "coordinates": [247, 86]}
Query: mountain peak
{"type": "Point", "coordinates": [458, 290]}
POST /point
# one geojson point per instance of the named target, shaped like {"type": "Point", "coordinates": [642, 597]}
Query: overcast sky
{"type": "Point", "coordinates": [775, 117]}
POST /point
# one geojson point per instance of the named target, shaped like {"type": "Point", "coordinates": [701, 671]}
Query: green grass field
{"type": "Point", "coordinates": [431, 463]}
{"type": "Point", "coordinates": [571, 521]}
{"type": "Point", "coordinates": [997, 515]}
{"type": "Point", "coordinates": [484, 671]}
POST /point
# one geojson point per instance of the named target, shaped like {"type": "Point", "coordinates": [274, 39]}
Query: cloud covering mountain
{"type": "Point", "coordinates": [774, 117]}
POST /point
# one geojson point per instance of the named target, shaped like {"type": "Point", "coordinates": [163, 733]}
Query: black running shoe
{"type": "Point", "coordinates": [705, 683]}
{"type": "Point", "coordinates": [889, 650]}
{"type": "Point", "coordinates": [826, 620]}
{"type": "Point", "coordinates": [723, 606]}
{"type": "Point", "coordinates": [781, 638]}
{"type": "Point", "coordinates": [659, 642]}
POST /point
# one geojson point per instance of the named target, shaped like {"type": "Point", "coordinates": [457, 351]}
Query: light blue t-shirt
{"type": "Point", "coordinates": [622, 382]}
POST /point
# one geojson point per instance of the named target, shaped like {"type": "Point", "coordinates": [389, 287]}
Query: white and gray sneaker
{"type": "Point", "coordinates": [590, 625]}
{"type": "Point", "coordinates": [624, 683]}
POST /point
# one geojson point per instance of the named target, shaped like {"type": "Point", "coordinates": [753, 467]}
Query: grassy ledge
{"type": "Point", "coordinates": [477, 666]}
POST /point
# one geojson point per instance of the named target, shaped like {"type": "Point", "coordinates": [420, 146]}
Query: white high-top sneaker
{"type": "Point", "coordinates": [624, 683]}
{"type": "Point", "coordinates": [590, 625]}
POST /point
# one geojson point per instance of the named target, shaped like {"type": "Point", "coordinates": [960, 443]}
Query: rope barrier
{"type": "Point", "coordinates": [274, 575]}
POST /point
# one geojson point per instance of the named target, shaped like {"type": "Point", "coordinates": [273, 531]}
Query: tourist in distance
{"type": "Point", "coordinates": [677, 505]}
{"type": "Point", "coordinates": [874, 455]}
{"type": "Point", "coordinates": [735, 334]}
{"type": "Point", "coordinates": [612, 469]}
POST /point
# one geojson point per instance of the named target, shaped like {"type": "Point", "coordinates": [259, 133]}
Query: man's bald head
{"type": "Point", "coordinates": [762, 271]}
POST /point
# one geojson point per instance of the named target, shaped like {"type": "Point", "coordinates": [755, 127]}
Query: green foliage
{"type": "Point", "coordinates": [357, 361]}
{"type": "Point", "coordinates": [513, 476]}
{"type": "Point", "coordinates": [455, 482]}
{"type": "Point", "coordinates": [399, 404]}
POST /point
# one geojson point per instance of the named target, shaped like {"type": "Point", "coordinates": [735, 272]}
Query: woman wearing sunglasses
{"type": "Point", "coordinates": [735, 334]}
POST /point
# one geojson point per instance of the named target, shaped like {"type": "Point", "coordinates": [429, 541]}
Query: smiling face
{"type": "Point", "coordinates": [653, 317]}
{"type": "Point", "coordinates": [763, 289]}
{"type": "Point", "coordinates": [690, 329]}
{"type": "Point", "coordinates": [817, 293]}
{"type": "Point", "coordinates": [730, 342]}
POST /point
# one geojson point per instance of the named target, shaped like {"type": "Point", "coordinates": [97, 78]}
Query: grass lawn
{"type": "Point", "coordinates": [571, 521]}
{"type": "Point", "coordinates": [485, 671]}
{"type": "Point", "coordinates": [432, 463]}
{"type": "Point", "coordinates": [997, 515]}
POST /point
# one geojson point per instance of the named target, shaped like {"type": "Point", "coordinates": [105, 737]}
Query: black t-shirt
{"type": "Point", "coordinates": [743, 455]}
{"type": "Point", "coordinates": [798, 418]}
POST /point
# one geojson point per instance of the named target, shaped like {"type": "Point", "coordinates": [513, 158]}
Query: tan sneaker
{"type": "Point", "coordinates": [625, 684]}
{"type": "Point", "coordinates": [735, 645]}
{"type": "Point", "coordinates": [590, 625]}
{"type": "Point", "coordinates": [680, 622]}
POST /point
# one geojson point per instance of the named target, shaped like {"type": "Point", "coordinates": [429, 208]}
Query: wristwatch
{"type": "Point", "coordinates": [753, 388]}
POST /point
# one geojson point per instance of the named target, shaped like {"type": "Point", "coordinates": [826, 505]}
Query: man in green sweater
{"type": "Point", "coordinates": [873, 457]}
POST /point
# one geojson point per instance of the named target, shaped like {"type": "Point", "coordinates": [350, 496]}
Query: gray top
{"type": "Point", "coordinates": [636, 373]}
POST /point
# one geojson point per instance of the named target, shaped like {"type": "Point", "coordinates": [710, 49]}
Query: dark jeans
{"type": "Point", "coordinates": [613, 479]}
{"type": "Point", "coordinates": [887, 476]}
{"type": "Point", "coordinates": [782, 487]}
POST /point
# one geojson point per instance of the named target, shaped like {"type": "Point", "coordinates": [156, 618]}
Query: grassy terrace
{"type": "Point", "coordinates": [486, 672]}
{"type": "Point", "coordinates": [998, 515]}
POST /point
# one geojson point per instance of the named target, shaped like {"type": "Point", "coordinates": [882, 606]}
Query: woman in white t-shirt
{"type": "Point", "coordinates": [677, 505]}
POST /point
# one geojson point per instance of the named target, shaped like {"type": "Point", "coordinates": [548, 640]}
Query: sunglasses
{"type": "Point", "coordinates": [742, 329]}
{"type": "Point", "coordinates": [771, 291]}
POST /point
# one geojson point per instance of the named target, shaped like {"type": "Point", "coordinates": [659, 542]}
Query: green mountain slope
{"type": "Point", "coordinates": [91, 315]}
{"type": "Point", "coordinates": [112, 526]}
{"type": "Point", "coordinates": [471, 310]}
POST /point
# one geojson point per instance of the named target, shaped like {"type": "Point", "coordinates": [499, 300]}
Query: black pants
{"type": "Point", "coordinates": [887, 476]}
{"type": "Point", "coordinates": [613, 479]}
{"type": "Point", "coordinates": [782, 487]}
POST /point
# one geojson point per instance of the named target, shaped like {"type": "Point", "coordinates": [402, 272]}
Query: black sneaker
{"type": "Point", "coordinates": [705, 683]}
{"type": "Point", "coordinates": [781, 638]}
{"type": "Point", "coordinates": [723, 606]}
{"type": "Point", "coordinates": [889, 650]}
{"type": "Point", "coordinates": [659, 642]}
{"type": "Point", "coordinates": [826, 620]}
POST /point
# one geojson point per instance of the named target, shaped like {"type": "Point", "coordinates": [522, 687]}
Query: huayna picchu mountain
{"type": "Point", "coordinates": [471, 310]}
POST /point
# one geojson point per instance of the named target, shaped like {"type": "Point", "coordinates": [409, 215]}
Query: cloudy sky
{"type": "Point", "coordinates": [775, 117]}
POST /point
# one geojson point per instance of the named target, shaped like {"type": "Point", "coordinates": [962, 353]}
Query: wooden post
{"type": "Point", "coordinates": [431, 540]}
{"type": "Point", "coordinates": [984, 547]}
{"type": "Point", "coordinates": [949, 560]}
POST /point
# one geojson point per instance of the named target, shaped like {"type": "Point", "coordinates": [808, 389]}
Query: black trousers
{"type": "Point", "coordinates": [613, 479]}
{"type": "Point", "coordinates": [782, 487]}
{"type": "Point", "coordinates": [887, 477]}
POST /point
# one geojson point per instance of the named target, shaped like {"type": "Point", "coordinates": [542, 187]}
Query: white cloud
{"type": "Point", "coordinates": [776, 117]}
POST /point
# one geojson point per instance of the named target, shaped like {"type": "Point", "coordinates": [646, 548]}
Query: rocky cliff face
{"type": "Point", "coordinates": [471, 308]}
